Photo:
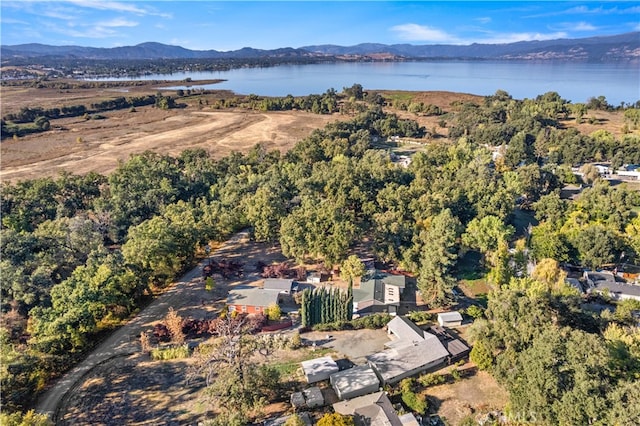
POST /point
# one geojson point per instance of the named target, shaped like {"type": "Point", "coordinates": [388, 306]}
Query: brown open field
{"type": "Point", "coordinates": [80, 146]}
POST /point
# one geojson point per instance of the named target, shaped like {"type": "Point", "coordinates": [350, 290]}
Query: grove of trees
{"type": "Point", "coordinates": [80, 253]}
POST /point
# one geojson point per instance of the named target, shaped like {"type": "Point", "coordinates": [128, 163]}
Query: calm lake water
{"type": "Point", "coordinates": [576, 82]}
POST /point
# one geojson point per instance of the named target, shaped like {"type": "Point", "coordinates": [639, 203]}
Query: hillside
{"type": "Point", "coordinates": [623, 47]}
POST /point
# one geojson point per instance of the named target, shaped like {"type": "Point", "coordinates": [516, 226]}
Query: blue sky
{"type": "Point", "coordinates": [231, 25]}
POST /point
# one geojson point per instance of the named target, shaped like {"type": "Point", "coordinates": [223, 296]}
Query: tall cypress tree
{"type": "Point", "coordinates": [350, 301]}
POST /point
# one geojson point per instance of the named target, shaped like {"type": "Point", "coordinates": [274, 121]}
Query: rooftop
{"type": "Point", "coordinates": [319, 366]}
{"type": "Point", "coordinates": [450, 316]}
{"type": "Point", "coordinates": [372, 288]}
{"type": "Point", "coordinates": [252, 296]}
{"type": "Point", "coordinates": [395, 362]}
{"type": "Point", "coordinates": [405, 329]}
{"type": "Point", "coordinates": [281, 284]}
{"type": "Point", "coordinates": [354, 378]}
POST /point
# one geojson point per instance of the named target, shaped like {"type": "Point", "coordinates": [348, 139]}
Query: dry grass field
{"type": "Point", "coordinates": [79, 145]}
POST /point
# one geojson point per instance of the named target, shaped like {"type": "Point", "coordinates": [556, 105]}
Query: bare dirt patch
{"type": "Point", "coordinates": [476, 394]}
{"type": "Point", "coordinates": [80, 146]}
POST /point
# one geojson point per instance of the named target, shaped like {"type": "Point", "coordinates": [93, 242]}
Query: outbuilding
{"type": "Point", "coordinates": [319, 369]}
{"type": "Point", "coordinates": [449, 319]}
{"type": "Point", "coordinates": [354, 382]}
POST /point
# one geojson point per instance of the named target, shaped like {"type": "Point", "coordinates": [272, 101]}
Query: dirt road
{"type": "Point", "coordinates": [187, 296]}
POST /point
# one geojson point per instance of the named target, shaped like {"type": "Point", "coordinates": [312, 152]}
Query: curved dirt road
{"type": "Point", "coordinates": [187, 296]}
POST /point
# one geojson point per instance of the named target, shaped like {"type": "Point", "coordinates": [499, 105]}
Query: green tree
{"type": "Point", "coordinates": [597, 246]}
{"type": "Point", "coordinates": [485, 234]}
{"type": "Point", "coordinates": [274, 312]}
{"type": "Point", "coordinates": [352, 268]}
{"type": "Point", "coordinates": [438, 255]}
{"type": "Point", "coordinates": [481, 355]}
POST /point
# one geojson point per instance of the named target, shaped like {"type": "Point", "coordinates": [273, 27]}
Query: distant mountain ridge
{"type": "Point", "coordinates": [622, 47]}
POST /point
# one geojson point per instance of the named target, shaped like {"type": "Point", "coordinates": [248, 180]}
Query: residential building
{"type": "Point", "coordinates": [605, 283]}
{"type": "Point", "coordinates": [378, 292]}
{"type": "Point", "coordinates": [374, 410]}
{"type": "Point", "coordinates": [251, 300]}
{"type": "Point", "coordinates": [411, 352]}
{"type": "Point", "coordinates": [286, 286]}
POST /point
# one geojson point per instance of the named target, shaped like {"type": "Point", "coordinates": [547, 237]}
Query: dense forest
{"type": "Point", "coordinates": [81, 253]}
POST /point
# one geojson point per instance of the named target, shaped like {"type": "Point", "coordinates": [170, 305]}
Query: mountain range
{"type": "Point", "coordinates": [622, 47]}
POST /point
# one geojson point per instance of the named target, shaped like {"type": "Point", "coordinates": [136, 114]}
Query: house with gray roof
{"type": "Point", "coordinates": [251, 300]}
{"type": "Point", "coordinates": [411, 351]}
{"type": "Point", "coordinates": [373, 410]}
{"type": "Point", "coordinates": [282, 285]}
{"type": "Point", "coordinates": [378, 292]}
{"type": "Point", "coordinates": [606, 283]}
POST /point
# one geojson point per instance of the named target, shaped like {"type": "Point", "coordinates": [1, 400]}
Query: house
{"type": "Point", "coordinates": [605, 283]}
{"type": "Point", "coordinates": [449, 319]}
{"type": "Point", "coordinates": [285, 286]}
{"type": "Point", "coordinates": [318, 369]}
{"type": "Point", "coordinates": [354, 382]}
{"type": "Point", "coordinates": [412, 351]}
{"type": "Point", "coordinates": [378, 292]}
{"type": "Point", "coordinates": [251, 300]}
{"type": "Point", "coordinates": [373, 409]}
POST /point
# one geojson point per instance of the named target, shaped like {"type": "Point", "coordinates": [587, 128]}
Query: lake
{"type": "Point", "coordinates": [576, 82]}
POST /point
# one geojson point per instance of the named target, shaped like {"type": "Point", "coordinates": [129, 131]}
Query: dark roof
{"type": "Point", "coordinates": [372, 288]}
{"type": "Point", "coordinates": [456, 348]}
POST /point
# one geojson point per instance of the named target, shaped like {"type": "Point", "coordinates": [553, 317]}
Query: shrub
{"type": "Point", "coordinates": [475, 312]}
{"type": "Point", "coordinates": [432, 379]}
{"type": "Point", "coordinates": [411, 399]}
{"type": "Point", "coordinates": [166, 354]}
{"type": "Point", "coordinates": [421, 317]}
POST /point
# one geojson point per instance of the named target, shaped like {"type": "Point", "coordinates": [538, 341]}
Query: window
{"type": "Point", "coordinates": [244, 308]}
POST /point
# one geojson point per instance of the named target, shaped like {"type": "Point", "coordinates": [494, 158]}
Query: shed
{"type": "Point", "coordinates": [318, 369]}
{"type": "Point", "coordinates": [309, 398]}
{"type": "Point", "coordinates": [356, 381]}
{"type": "Point", "coordinates": [449, 319]}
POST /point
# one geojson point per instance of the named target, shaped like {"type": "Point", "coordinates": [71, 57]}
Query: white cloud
{"type": "Point", "coordinates": [575, 26]}
{"type": "Point", "coordinates": [516, 37]}
{"type": "Point", "coordinates": [483, 20]}
{"type": "Point", "coordinates": [117, 22]}
{"type": "Point", "coordinates": [415, 32]}
{"type": "Point", "coordinates": [115, 6]}
{"type": "Point", "coordinates": [585, 10]}
{"type": "Point", "coordinates": [8, 21]}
